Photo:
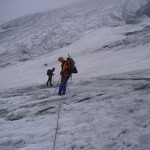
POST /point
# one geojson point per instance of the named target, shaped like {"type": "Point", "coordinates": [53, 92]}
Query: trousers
{"type": "Point", "coordinates": [63, 85]}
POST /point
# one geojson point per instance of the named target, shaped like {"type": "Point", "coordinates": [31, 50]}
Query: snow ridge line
{"type": "Point", "coordinates": [58, 116]}
{"type": "Point", "coordinates": [127, 78]}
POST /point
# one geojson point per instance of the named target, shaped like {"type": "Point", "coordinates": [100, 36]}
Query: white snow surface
{"type": "Point", "coordinates": [106, 106]}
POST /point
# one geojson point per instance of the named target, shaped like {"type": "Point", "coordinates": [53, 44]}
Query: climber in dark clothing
{"type": "Point", "coordinates": [50, 74]}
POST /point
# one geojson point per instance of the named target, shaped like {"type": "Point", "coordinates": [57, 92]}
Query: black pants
{"type": "Point", "coordinates": [49, 80]}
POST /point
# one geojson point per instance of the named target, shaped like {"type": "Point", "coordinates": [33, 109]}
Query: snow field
{"type": "Point", "coordinates": [108, 104]}
{"type": "Point", "coordinates": [107, 113]}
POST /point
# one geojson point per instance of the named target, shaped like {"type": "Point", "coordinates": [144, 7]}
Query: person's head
{"type": "Point", "coordinates": [53, 69]}
{"type": "Point", "coordinates": [61, 59]}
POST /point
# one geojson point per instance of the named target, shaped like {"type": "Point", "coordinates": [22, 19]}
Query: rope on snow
{"type": "Point", "coordinates": [58, 116]}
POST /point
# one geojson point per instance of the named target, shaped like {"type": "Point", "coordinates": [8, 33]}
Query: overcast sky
{"type": "Point", "coordinates": [10, 9]}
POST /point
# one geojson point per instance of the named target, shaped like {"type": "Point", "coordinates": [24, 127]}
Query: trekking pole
{"type": "Point", "coordinates": [70, 78]}
{"type": "Point", "coordinates": [53, 81]}
{"type": "Point", "coordinates": [68, 88]}
{"type": "Point", "coordinates": [57, 76]}
{"type": "Point", "coordinates": [56, 86]}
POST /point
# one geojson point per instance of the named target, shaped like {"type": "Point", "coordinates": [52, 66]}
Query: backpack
{"type": "Point", "coordinates": [48, 72]}
{"type": "Point", "coordinates": [71, 66]}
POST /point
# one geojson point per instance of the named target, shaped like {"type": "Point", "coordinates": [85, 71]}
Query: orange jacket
{"type": "Point", "coordinates": [64, 69]}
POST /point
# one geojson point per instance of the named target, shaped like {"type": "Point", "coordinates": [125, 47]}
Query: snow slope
{"type": "Point", "coordinates": [41, 33]}
{"type": "Point", "coordinates": [101, 61]}
{"type": "Point", "coordinates": [107, 103]}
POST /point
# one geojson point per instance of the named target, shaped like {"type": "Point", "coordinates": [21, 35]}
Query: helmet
{"type": "Point", "coordinates": [53, 68]}
{"type": "Point", "coordinates": [60, 58]}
